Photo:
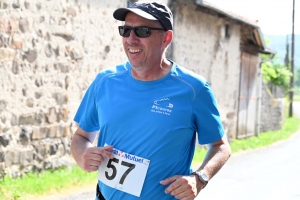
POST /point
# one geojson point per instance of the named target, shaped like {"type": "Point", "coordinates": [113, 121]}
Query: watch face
{"type": "Point", "coordinates": [204, 176]}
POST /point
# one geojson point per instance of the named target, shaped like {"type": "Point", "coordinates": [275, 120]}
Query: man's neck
{"type": "Point", "coordinates": [154, 73]}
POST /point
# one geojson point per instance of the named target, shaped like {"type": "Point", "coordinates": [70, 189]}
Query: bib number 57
{"type": "Point", "coordinates": [111, 164]}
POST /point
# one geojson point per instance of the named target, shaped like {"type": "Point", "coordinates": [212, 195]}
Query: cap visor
{"type": "Point", "coordinates": [120, 14]}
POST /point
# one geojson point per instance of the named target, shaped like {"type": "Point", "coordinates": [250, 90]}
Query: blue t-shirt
{"type": "Point", "coordinates": [157, 120]}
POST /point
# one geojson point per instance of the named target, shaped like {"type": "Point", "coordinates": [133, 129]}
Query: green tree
{"type": "Point", "coordinates": [274, 72]}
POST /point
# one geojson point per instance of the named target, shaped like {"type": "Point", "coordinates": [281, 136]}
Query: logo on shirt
{"type": "Point", "coordinates": [162, 106]}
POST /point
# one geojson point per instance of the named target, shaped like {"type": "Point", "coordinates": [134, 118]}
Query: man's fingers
{"type": "Point", "coordinates": [168, 180]}
{"type": "Point", "coordinates": [107, 152]}
{"type": "Point", "coordinates": [92, 157]}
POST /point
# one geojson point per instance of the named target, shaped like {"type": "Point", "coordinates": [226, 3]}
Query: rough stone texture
{"type": "Point", "coordinates": [272, 111]}
{"type": "Point", "coordinates": [206, 50]}
{"type": "Point", "coordinates": [50, 51]}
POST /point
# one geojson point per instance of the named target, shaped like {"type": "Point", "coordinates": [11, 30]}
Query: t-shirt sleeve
{"type": "Point", "coordinates": [87, 115]}
{"type": "Point", "coordinates": [206, 115]}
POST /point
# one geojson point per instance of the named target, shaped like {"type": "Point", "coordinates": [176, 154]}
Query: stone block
{"type": "Point", "coordinates": [51, 116]}
{"type": "Point", "coordinates": [40, 118]}
{"type": "Point", "coordinates": [2, 171]}
{"type": "Point", "coordinates": [55, 163]}
{"type": "Point", "coordinates": [47, 165]}
{"type": "Point", "coordinates": [17, 42]}
{"type": "Point", "coordinates": [59, 98]}
{"type": "Point", "coordinates": [53, 148]}
{"type": "Point", "coordinates": [38, 167]}
{"type": "Point", "coordinates": [16, 4]}
{"type": "Point", "coordinates": [30, 102]}
{"type": "Point", "coordinates": [52, 131]}
{"type": "Point", "coordinates": [27, 4]}
{"type": "Point", "coordinates": [63, 131]}
{"type": "Point", "coordinates": [27, 119]}
{"type": "Point", "coordinates": [24, 137]}
{"type": "Point", "coordinates": [61, 150]}
{"type": "Point", "coordinates": [48, 51]}
{"type": "Point", "coordinates": [26, 157]}
{"type": "Point", "coordinates": [8, 25]}
{"type": "Point", "coordinates": [3, 105]}
{"type": "Point", "coordinates": [63, 67]}
{"type": "Point", "coordinates": [40, 149]}
{"type": "Point", "coordinates": [3, 5]}
{"type": "Point", "coordinates": [71, 11]}
{"type": "Point", "coordinates": [2, 156]}
{"type": "Point", "coordinates": [38, 82]}
{"type": "Point", "coordinates": [67, 36]}
{"type": "Point", "coordinates": [15, 67]}
{"type": "Point", "coordinates": [44, 132]}
{"type": "Point", "coordinates": [7, 54]}
{"type": "Point", "coordinates": [38, 94]}
{"type": "Point", "coordinates": [76, 54]}
{"type": "Point", "coordinates": [14, 120]}
{"type": "Point", "coordinates": [23, 25]}
{"type": "Point", "coordinates": [11, 157]}
{"type": "Point", "coordinates": [4, 140]}
{"type": "Point", "coordinates": [15, 173]}
{"type": "Point", "coordinates": [39, 133]}
{"type": "Point", "coordinates": [31, 55]}
{"type": "Point", "coordinates": [63, 114]}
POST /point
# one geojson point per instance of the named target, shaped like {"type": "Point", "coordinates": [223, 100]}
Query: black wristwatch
{"type": "Point", "coordinates": [202, 177]}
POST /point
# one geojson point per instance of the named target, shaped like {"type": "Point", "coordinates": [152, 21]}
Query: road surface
{"type": "Point", "coordinates": [271, 173]}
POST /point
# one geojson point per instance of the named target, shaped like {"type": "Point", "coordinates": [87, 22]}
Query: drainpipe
{"type": "Point", "coordinates": [260, 93]}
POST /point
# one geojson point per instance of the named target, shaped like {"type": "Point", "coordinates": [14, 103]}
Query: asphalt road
{"type": "Point", "coordinates": [270, 173]}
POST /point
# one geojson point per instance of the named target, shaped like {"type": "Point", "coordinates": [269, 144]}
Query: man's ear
{"type": "Point", "coordinates": [168, 37]}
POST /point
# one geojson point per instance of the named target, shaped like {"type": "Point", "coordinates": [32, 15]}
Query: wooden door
{"type": "Point", "coordinates": [247, 95]}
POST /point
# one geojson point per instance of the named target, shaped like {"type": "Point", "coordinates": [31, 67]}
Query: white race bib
{"type": "Point", "coordinates": [124, 172]}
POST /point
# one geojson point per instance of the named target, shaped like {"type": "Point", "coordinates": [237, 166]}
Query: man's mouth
{"type": "Point", "coordinates": [134, 50]}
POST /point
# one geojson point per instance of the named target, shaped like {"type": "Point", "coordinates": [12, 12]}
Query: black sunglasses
{"type": "Point", "coordinates": [140, 31]}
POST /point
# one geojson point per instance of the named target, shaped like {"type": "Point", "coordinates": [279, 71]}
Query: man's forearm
{"type": "Point", "coordinates": [78, 146]}
{"type": "Point", "coordinates": [215, 158]}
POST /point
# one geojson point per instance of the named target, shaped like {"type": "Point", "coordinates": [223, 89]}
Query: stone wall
{"type": "Point", "coordinates": [210, 46]}
{"type": "Point", "coordinates": [50, 51]}
{"type": "Point", "coordinates": [272, 111]}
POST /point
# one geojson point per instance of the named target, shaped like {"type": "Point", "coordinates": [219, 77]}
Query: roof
{"type": "Point", "coordinates": [257, 35]}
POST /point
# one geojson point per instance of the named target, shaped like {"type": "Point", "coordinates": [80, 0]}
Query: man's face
{"type": "Point", "coordinates": [143, 53]}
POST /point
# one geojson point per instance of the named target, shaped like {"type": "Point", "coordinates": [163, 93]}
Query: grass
{"type": "Point", "coordinates": [37, 185]}
{"type": "Point", "coordinates": [43, 183]}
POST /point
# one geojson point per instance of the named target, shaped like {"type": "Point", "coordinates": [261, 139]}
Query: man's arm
{"type": "Point", "coordinates": [217, 155]}
{"type": "Point", "coordinates": [85, 154]}
{"type": "Point", "coordinates": [188, 187]}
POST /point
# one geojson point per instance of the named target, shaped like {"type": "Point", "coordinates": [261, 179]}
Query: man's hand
{"type": "Point", "coordinates": [93, 156]}
{"type": "Point", "coordinates": [85, 154]}
{"type": "Point", "coordinates": [183, 187]}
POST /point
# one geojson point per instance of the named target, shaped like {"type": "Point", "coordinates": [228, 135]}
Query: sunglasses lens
{"type": "Point", "coordinates": [124, 31]}
{"type": "Point", "coordinates": [142, 31]}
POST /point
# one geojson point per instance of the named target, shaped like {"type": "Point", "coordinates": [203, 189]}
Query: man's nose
{"type": "Point", "coordinates": [132, 36]}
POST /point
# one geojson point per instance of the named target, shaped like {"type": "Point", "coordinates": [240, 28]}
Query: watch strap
{"type": "Point", "coordinates": [201, 178]}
